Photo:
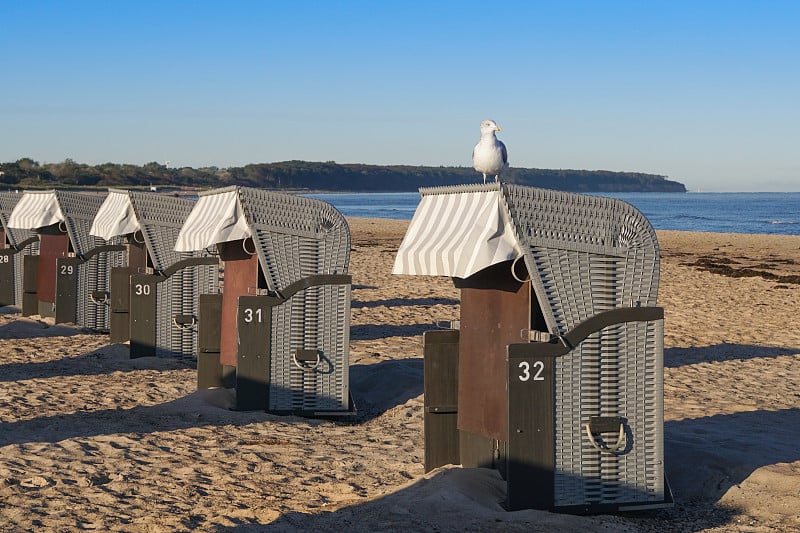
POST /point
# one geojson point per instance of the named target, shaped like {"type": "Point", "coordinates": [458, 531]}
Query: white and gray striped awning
{"type": "Point", "coordinates": [217, 217]}
{"type": "Point", "coordinates": [115, 217]}
{"type": "Point", "coordinates": [36, 209]}
{"type": "Point", "coordinates": [457, 233]}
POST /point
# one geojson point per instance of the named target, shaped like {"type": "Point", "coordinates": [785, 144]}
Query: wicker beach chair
{"type": "Point", "coordinates": [15, 244]}
{"type": "Point", "coordinates": [559, 347]}
{"type": "Point", "coordinates": [285, 307]}
{"type": "Point", "coordinates": [154, 299]}
{"type": "Point", "coordinates": [73, 267]}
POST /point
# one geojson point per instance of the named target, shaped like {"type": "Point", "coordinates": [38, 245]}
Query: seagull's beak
{"type": "Point", "coordinates": [499, 128]}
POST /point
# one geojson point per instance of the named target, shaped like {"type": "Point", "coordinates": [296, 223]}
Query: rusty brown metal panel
{"type": "Point", "coordinates": [52, 245]}
{"type": "Point", "coordinates": [240, 278]}
{"type": "Point", "coordinates": [137, 256]}
{"type": "Point", "coordinates": [495, 309]}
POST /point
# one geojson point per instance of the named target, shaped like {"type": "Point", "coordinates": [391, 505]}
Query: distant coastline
{"type": "Point", "coordinates": [305, 176]}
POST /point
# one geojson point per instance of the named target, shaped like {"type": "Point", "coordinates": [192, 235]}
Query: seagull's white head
{"type": "Point", "coordinates": [489, 127]}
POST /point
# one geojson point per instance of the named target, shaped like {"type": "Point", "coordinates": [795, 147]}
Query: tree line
{"type": "Point", "coordinates": [322, 176]}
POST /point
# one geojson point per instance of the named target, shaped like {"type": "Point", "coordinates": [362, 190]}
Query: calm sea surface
{"type": "Point", "coordinates": [777, 213]}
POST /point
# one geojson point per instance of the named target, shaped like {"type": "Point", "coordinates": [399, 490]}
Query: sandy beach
{"type": "Point", "coordinates": [92, 440]}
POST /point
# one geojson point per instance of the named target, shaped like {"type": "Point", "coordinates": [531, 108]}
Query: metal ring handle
{"type": "Point", "coordinates": [138, 232]}
{"type": "Point", "coordinates": [98, 301]}
{"type": "Point", "coordinates": [607, 449]}
{"type": "Point", "coordinates": [180, 325]}
{"type": "Point", "coordinates": [306, 368]}
{"type": "Point", "coordinates": [244, 246]}
{"type": "Point", "coordinates": [514, 274]}
{"type": "Point", "coordinates": [62, 227]}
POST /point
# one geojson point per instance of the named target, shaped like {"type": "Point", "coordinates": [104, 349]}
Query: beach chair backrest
{"type": "Point", "coordinates": [587, 254]}
{"type": "Point", "coordinates": [295, 237]}
{"type": "Point", "coordinates": [8, 200]}
{"type": "Point", "coordinates": [161, 218]}
{"type": "Point", "coordinates": [79, 211]}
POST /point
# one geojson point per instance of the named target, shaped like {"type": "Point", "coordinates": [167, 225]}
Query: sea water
{"type": "Point", "coordinates": [776, 213]}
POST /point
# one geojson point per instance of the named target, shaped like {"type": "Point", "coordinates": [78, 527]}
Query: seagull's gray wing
{"type": "Point", "coordinates": [504, 152]}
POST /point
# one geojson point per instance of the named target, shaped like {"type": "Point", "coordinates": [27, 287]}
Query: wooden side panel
{"type": "Point", "coordinates": [254, 324]}
{"type": "Point", "coordinates": [143, 315]}
{"type": "Point", "coordinates": [6, 277]}
{"type": "Point", "coordinates": [531, 442]}
{"type": "Point", "coordinates": [441, 398]}
{"type": "Point", "coordinates": [495, 309]}
{"type": "Point", "coordinates": [209, 369]}
{"type": "Point", "coordinates": [66, 290]}
{"type": "Point", "coordinates": [30, 298]}
{"type": "Point", "coordinates": [120, 288]}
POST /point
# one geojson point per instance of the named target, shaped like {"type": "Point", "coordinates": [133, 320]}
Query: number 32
{"type": "Point", "coordinates": [525, 368]}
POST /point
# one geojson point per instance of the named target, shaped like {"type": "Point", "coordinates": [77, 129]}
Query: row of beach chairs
{"type": "Point", "coordinates": [553, 374]}
{"type": "Point", "coordinates": [149, 268]}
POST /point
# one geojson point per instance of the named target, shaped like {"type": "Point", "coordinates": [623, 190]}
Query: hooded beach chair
{"type": "Point", "coordinates": [72, 268]}
{"type": "Point", "coordinates": [15, 244]}
{"type": "Point", "coordinates": [554, 372]}
{"type": "Point", "coordinates": [154, 299]}
{"type": "Point", "coordinates": [283, 320]}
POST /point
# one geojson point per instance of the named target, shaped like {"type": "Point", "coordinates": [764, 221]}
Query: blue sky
{"type": "Point", "coordinates": [705, 92]}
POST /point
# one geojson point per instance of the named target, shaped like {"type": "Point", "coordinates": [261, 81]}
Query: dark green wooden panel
{"type": "Point", "coordinates": [441, 398]}
{"type": "Point", "coordinates": [143, 315]}
{"type": "Point", "coordinates": [30, 275]}
{"type": "Point", "coordinates": [209, 368]}
{"type": "Point", "coordinates": [530, 469]}
{"type": "Point", "coordinates": [6, 277]}
{"type": "Point", "coordinates": [66, 304]}
{"type": "Point", "coordinates": [253, 324]}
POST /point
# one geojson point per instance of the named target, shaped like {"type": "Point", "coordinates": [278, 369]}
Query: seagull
{"type": "Point", "coordinates": [489, 156]}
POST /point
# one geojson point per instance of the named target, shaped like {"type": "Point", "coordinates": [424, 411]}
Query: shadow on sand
{"type": "Point", "coordinates": [704, 458]}
{"type": "Point", "coordinates": [371, 332]}
{"type": "Point", "coordinates": [31, 328]}
{"type": "Point", "coordinates": [399, 302]}
{"type": "Point", "coordinates": [676, 357]}
{"type": "Point", "coordinates": [378, 387]}
{"type": "Point", "coordinates": [106, 360]}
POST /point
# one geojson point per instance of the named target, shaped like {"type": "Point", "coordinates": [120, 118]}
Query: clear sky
{"type": "Point", "coordinates": [705, 92]}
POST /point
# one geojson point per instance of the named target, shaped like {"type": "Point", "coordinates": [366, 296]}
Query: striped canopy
{"type": "Point", "coordinates": [115, 217]}
{"type": "Point", "coordinates": [217, 217]}
{"type": "Point", "coordinates": [457, 233]}
{"type": "Point", "coordinates": [36, 209]}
